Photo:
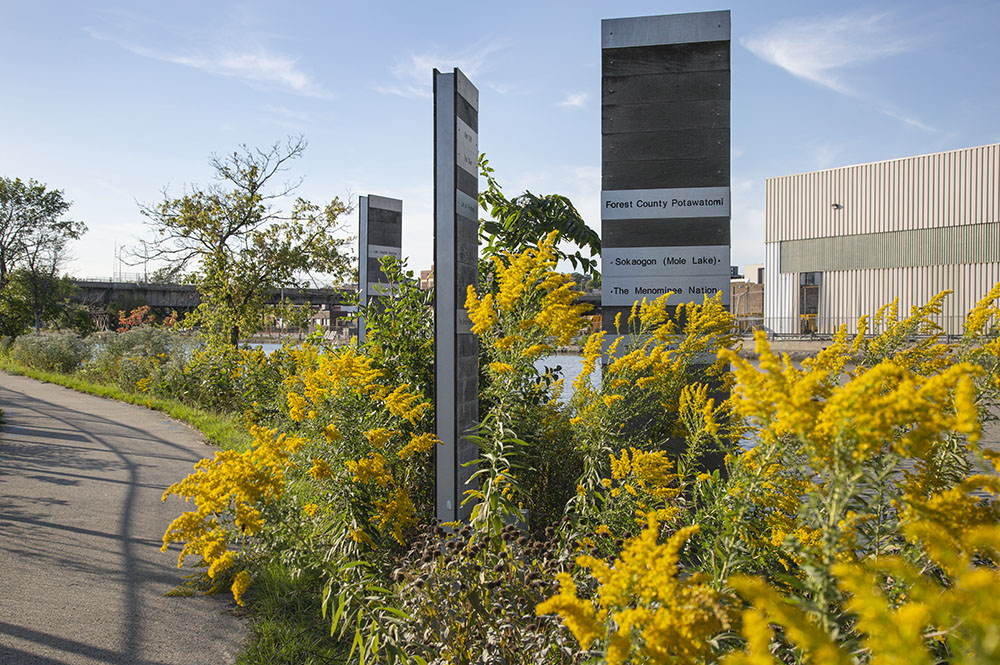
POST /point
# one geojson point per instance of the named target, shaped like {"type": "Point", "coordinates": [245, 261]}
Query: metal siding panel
{"type": "Point", "coordinates": [936, 246]}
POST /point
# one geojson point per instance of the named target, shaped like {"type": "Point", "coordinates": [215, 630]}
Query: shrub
{"type": "Point", "coordinates": [841, 511]}
{"type": "Point", "coordinates": [59, 352]}
{"type": "Point", "coordinates": [140, 359]}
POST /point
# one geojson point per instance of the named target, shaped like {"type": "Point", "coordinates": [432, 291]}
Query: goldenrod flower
{"type": "Point", "coordinates": [320, 469]}
{"type": "Point", "coordinates": [240, 584]}
{"type": "Point", "coordinates": [380, 436]}
{"type": "Point", "coordinates": [419, 444]}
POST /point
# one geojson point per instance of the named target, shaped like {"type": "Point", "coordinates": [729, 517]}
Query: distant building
{"type": "Point", "coordinates": [841, 243]}
{"type": "Point", "coordinates": [754, 273]}
{"type": "Point", "coordinates": [747, 304]}
{"type": "Point", "coordinates": [427, 279]}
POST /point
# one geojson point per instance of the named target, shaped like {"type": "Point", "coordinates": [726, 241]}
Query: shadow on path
{"type": "Point", "coordinates": [81, 523]}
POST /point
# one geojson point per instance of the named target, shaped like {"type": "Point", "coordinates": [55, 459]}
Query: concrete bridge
{"type": "Point", "coordinates": [101, 296]}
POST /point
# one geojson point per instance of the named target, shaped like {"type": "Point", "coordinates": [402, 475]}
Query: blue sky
{"type": "Point", "coordinates": [114, 101]}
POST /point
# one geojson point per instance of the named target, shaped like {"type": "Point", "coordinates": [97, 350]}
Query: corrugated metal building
{"type": "Point", "coordinates": [842, 242]}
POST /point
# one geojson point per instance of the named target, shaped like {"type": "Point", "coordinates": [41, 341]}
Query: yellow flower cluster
{"type": "Point", "coordinates": [985, 311]}
{"type": "Point", "coordinates": [230, 482]}
{"type": "Point", "coordinates": [560, 315]}
{"type": "Point", "coordinates": [297, 406]}
{"type": "Point", "coordinates": [372, 467]}
{"type": "Point", "coordinates": [964, 613]}
{"type": "Point", "coordinates": [320, 469]}
{"type": "Point", "coordinates": [885, 407]}
{"type": "Point", "coordinates": [579, 616]}
{"type": "Point", "coordinates": [895, 337]}
{"type": "Point", "coordinates": [319, 375]}
{"type": "Point", "coordinates": [240, 584]}
{"type": "Point", "coordinates": [380, 436]}
{"type": "Point", "coordinates": [507, 342]}
{"type": "Point", "coordinates": [645, 609]}
{"type": "Point", "coordinates": [592, 352]}
{"type": "Point", "coordinates": [778, 492]}
{"type": "Point", "coordinates": [519, 277]}
{"type": "Point", "coordinates": [535, 350]}
{"type": "Point", "coordinates": [407, 404]}
{"type": "Point", "coordinates": [654, 363]}
{"type": "Point", "coordinates": [642, 485]}
{"type": "Point", "coordinates": [953, 510]}
{"type": "Point", "coordinates": [419, 444]}
{"type": "Point", "coordinates": [395, 513]}
{"type": "Point", "coordinates": [698, 411]}
{"type": "Point", "coordinates": [347, 371]}
{"type": "Point", "coordinates": [770, 607]}
{"type": "Point", "coordinates": [483, 315]}
{"type": "Point", "coordinates": [331, 433]}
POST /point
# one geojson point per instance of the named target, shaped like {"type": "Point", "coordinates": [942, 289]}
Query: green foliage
{"type": "Point", "coordinates": [286, 626]}
{"type": "Point", "coordinates": [219, 430]}
{"type": "Point", "coordinates": [525, 220]}
{"type": "Point", "coordinates": [237, 380]}
{"type": "Point", "coordinates": [15, 310]}
{"type": "Point", "coordinates": [33, 241]}
{"type": "Point", "coordinates": [241, 246]}
{"type": "Point", "coordinates": [33, 300]}
{"type": "Point", "coordinates": [60, 351]}
{"type": "Point", "coordinates": [30, 217]}
{"type": "Point", "coordinates": [399, 328]}
{"type": "Point", "coordinates": [142, 359]}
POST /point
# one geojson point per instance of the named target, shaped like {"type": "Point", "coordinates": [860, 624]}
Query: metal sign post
{"type": "Point", "coordinates": [456, 267]}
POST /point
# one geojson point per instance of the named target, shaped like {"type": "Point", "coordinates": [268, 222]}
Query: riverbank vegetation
{"type": "Point", "coordinates": [695, 508]}
{"type": "Point", "coordinates": [690, 507]}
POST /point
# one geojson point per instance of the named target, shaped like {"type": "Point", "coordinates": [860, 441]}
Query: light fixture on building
{"type": "Point", "coordinates": [837, 206]}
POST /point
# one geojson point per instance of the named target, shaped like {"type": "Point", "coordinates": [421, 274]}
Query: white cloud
{"type": "Point", "coordinates": [257, 65]}
{"type": "Point", "coordinates": [274, 69]}
{"type": "Point", "coordinates": [412, 74]}
{"type": "Point", "coordinates": [506, 88]}
{"type": "Point", "coordinates": [905, 118]}
{"type": "Point", "coordinates": [823, 50]}
{"type": "Point", "coordinates": [574, 100]}
{"type": "Point", "coordinates": [819, 49]}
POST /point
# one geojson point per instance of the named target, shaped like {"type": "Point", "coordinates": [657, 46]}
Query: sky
{"type": "Point", "coordinates": [116, 103]}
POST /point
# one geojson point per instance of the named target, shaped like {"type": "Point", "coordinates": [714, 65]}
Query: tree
{"type": "Point", "coordinates": [240, 244]}
{"type": "Point", "coordinates": [526, 219]}
{"type": "Point", "coordinates": [167, 275]}
{"type": "Point", "coordinates": [33, 248]}
{"type": "Point", "coordinates": [33, 299]}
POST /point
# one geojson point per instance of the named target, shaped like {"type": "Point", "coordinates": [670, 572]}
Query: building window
{"type": "Point", "coordinates": [810, 284]}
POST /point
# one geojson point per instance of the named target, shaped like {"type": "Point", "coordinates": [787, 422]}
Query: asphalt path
{"type": "Point", "coordinates": [82, 577]}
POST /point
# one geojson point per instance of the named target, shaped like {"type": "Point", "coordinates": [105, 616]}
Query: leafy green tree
{"type": "Point", "coordinates": [240, 244]}
{"type": "Point", "coordinates": [15, 308]}
{"type": "Point", "coordinates": [167, 275]}
{"type": "Point", "coordinates": [525, 220]}
{"type": "Point", "coordinates": [33, 249]}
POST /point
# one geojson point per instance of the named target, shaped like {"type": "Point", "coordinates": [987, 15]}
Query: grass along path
{"type": "Point", "coordinates": [224, 431]}
{"type": "Point", "coordinates": [283, 611]}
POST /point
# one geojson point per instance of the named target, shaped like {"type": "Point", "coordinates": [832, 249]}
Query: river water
{"type": "Point", "coordinates": [570, 365]}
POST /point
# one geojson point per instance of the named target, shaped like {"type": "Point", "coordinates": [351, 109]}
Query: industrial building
{"type": "Point", "coordinates": [842, 242]}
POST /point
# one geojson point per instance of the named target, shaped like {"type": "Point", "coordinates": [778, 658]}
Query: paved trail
{"type": "Point", "coordinates": [82, 577]}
